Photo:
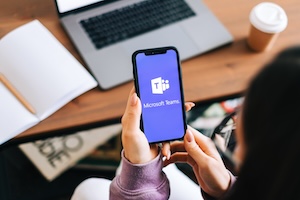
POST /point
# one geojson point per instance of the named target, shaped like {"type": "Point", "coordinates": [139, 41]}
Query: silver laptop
{"type": "Point", "coordinates": [107, 32]}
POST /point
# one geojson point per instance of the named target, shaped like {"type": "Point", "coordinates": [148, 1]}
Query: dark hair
{"type": "Point", "coordinates": [271, 126]}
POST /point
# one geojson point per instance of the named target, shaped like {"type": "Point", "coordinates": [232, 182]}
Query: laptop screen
{"type": "Point", "coordinates": [68, 5]}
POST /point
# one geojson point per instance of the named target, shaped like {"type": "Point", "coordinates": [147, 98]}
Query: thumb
{"type": "Point", "coordinates": [135, 143]}
{"type": "Point", "coordinates": [132, 115]}
{"type": "Point", "coordinates": [193, 148]}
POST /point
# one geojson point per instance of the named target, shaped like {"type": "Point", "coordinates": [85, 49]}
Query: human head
{"type": "Point", "coordinates": [270, 131]}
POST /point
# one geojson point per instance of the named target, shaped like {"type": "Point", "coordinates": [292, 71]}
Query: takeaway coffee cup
{"type": "Point", "coordinates": [267, 21]}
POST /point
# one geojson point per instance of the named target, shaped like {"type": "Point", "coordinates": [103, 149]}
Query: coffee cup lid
{"type": "Point", "coordinates": [268, 17]}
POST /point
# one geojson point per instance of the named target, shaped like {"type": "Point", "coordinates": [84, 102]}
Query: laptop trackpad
{"type": "Point", "coordinates": [169, 36]}
{"type": "Point", "coordinates": [110, 67]}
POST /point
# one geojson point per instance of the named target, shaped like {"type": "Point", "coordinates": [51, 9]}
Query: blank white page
{"type": "Point", "coordinates": [14, 117]}
{"type": "Point", "coordinates": [42, 69]}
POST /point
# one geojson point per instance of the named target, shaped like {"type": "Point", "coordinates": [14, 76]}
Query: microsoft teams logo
{"type": "Point", "coordinates": [159, 85]}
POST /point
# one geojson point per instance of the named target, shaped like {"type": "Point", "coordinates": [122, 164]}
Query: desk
{"type": "Point", "coordinates": [219, 73]}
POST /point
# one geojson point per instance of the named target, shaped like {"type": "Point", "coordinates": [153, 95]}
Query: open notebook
{"type": "Point", "coordinates": [40, 68]}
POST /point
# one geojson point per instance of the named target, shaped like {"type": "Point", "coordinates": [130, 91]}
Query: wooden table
{"type": "Point", "coordinates": [219, 73]}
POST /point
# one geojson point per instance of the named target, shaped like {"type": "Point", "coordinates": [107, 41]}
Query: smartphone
{"type": "Point", "coordinates": [158, 83]}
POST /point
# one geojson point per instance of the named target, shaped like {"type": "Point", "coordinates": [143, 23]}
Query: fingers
{"type": "Point", "coordinates": [202, 140]}
{"type": "Point", "coordinates": [177, 146]}
{"type": "Point", "coordinates": [200, 147]}
{"type": "Point", "coordinates": [166, 152]}
{"type": "Point", "coordinates": [177, 157]}
{"type": "Point", "coordinates": [181, 157]}
{"type": "Point", "coordinates": [178, 153]}
{"type": "Point", "coordinates": [205, 143]}
{"type": "Point", "coordinates": [192, 147]}
{"type": "Point", "coordinates": [188, 106]}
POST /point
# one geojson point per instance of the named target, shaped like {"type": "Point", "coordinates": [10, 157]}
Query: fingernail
{"type": "Point", "coordinates": [189, 136]}
{"type": "Point", "coordinates": [169, 155]}
{"type": "Point", "coordinates": [192, 104]}
{"type": "Point", "coordinates": [133, 100]}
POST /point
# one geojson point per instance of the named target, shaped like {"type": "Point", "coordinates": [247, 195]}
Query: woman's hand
{"type": "Point", "coordinates": [200, 152]}
{"type": "Point", "coordinates": [136, 147]}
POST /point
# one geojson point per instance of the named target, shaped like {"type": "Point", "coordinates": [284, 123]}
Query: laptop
{"type": "Point", "coordinates": [107, 32]}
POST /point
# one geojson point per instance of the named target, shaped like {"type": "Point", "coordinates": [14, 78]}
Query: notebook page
{"type": "Point", "coordinates": [41, 68]}
{"type": "Point", "coordinates": [14, 117]}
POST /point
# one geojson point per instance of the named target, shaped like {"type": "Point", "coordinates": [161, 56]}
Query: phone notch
{"type": "Point", "coordinates": [155, 51]}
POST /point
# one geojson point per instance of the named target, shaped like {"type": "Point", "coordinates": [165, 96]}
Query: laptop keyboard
{"type": "Point", "coordinates": [133, 20]}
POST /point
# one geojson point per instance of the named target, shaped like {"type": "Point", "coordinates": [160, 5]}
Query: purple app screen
{"type": "Point", "coordinates": [159, 87]}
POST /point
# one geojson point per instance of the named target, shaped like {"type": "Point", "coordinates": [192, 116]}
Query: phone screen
{"type": "Point", "coordinates": [159, 86]}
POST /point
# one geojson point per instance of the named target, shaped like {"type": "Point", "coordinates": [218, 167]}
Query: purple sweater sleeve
{"type": "Point", "coordinates": [140, 181]}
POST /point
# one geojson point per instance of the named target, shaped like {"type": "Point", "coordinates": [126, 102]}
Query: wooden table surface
{"type": "Point", "coordinates": [219, 73]}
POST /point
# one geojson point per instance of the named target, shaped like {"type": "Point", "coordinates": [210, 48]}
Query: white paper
{"type": "Point", "coordinates": [42, 69]}
{"type": "Point", "coordinates": [14, 117]}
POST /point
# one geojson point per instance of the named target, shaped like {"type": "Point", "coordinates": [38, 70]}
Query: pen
{"type": "Point", "coordinates": [16, 93]}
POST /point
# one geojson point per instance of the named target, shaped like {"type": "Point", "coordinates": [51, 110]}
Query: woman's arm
{"type": "Point", "coordinates": [140, 181]}
{"type": "Point", "coordinates": [141, 175]}
{"type": "Point", "coordinates": [201, 154]}
{"type": "Point", "coordinates": [232, 181]}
